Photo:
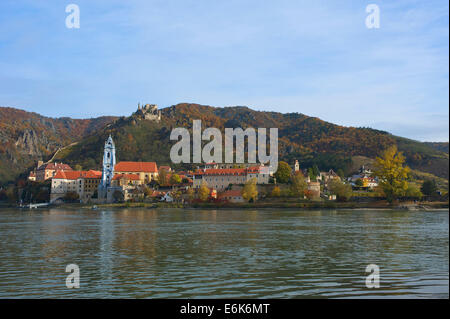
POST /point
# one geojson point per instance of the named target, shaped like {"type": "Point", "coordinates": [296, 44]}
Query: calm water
{"type": "Point", "coordinates": [206, 254]}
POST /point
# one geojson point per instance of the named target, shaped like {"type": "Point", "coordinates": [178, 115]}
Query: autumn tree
{"type": "Point", "coordinates": [250, 190]}
{"type": "Point", "coordinates": [190, 193]}
{"type": "Point", "coordinates": [276, 192]}
{"type": "Point", "coordinates": [147, 191]}
{"type": "Point", "coordinates": [283, 173]}
{"type": "Point", "coordinates": [175, 179]}
{"type": "Point", "coordinates": [413, 191]}
{"type": "Point", "coordinates": [203, 192]}
{"type": "Point", "coordinates": [298, 185]}
{"type": "Point", "coordinates": [391, 173]}
{"type": "Point", "coordinates": [342, 191]}
{"type": "Point", "coordinates": [162, 177]}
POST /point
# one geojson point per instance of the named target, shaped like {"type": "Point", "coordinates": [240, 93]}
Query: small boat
{"type": "Point", "coordinates": [94, 207]}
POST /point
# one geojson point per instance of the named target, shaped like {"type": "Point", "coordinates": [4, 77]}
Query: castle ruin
{"type": "Point", "coordinates": [149, 112]}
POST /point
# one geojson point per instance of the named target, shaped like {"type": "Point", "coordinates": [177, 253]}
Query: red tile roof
{"type": "Point", "coordinates": [72, 175]}
{"type": "Point", "coordinates": [55, 166]}
{"type": "Point", "coordinates": [131, 177]}
{"type": "Point", "coordinates": [229, 171]}
{"type": "Point", "coordinates": [147, 167]}
{"type": "Point", "coordinates": [230, 193]}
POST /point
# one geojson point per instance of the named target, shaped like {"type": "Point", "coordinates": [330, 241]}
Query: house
{"type": "Point", "coordinates": [327, 177]}
{"type": "Point", "coordinates": [220, 179]}
{"type": "Point", "coordinates": [126, 180]}
{"type": "Point", "coordinates": [48, 170]}
{"type": "Point", "coordinates": [232, 196]}
{"type": "Point", "coordinates": [83, 183]}
{"type": "Point", "coordinates": [147, 171]}
{"type": "Point", "coordinates": [32, 176]}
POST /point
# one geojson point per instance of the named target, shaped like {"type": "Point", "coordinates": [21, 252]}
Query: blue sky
{"type": "Point", "coordinates": [312, 57]}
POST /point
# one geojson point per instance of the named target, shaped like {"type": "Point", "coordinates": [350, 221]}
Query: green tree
{"type": "Point", "coordinates": [340, 173]}
{"type": "Point", "coordinates": [413, 191]}
{"type": "Point", "coordinates": [78, 167]}
{"type": "Point", "coordinates": [342, 191]}
{"type": "Point", "coordinates": [313, 173]}
{"type": "Point", "coordinates": [203, 192]}
{"type": "Point", "coordinates": [250, 190]}
{"type": "Point", "coordinates": [391, 173]}
{"type": "Point", "coordinates": [316, 171]}
{"type": "Point", "coordinates": [359, 182]}
{"type": "Point", "coordinates": [283, 172]}
{"type": "Point", "coordinates": [429, 187]}
{"type": "Point", "coordinates": [298, 185]}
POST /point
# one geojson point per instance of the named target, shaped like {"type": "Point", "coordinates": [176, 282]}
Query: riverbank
{"type": "Point", "coordinates": [378, 205]}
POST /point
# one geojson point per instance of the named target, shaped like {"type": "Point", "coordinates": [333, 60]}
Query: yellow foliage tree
{"type": "Point", "coordinates": [250, 191]}
{"type": "Point", "coordinates": [298, 185]}
{"type": "Point", "coordinates": [276, 192]}
{"type": "Point", "coordinates": [203, 192]}
{"type": "Point", "coordinates": [391, 173]}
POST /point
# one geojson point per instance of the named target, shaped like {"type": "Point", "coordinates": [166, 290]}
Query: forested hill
{"type": "Point", "coordinates": [308, 139]}
{"type": "Point", "coordinates": [439, 146]}
{"type": "Point", "coordinates": [26, 137]}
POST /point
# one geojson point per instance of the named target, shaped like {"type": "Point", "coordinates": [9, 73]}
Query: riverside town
{"type": "Point", "coordinates": [217, 184]}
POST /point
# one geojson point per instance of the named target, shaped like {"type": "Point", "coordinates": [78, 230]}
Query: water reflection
{"type": "Point", "coordinates": [250, 253]}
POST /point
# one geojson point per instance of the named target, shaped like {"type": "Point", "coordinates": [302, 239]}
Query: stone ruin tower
{"type": "Point", "coordinates": [149, 112]}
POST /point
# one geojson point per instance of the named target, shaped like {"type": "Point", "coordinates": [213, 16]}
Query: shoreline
{"type": "Point", "coordinates": [381, 206]}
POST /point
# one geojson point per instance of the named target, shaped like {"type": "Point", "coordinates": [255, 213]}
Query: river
{"type": "Point", "coordinates": [174, 253]}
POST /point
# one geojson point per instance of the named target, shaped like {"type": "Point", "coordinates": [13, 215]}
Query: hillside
{"type": "Point", "coordinates": [439, 146]}
{"type": "Point", "coordinates": [26, 137]}
{"type": "Point", "coordinates": [310, 140]}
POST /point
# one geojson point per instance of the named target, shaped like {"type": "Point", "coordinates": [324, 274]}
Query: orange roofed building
{"type": "Point", "coordinates": [232, 196]}
{"type": "Point", "coordinates": [126, 179]}
{"type": "Point", "coordinates": [48, 170]}
{"type": "Point", "coordinates": [84, 183]}
{"type": "Point", "coordinates": [147, 171]}
{"type": "Point", "coordinates": [220, 179]}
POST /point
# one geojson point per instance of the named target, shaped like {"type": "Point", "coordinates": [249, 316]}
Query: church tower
{"type": "Point", "coordinates": [109, 161]}
{"type": "Point", "coordinates": [296, 166]}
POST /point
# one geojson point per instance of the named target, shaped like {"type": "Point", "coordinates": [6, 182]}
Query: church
{"type": "Point", "coordinates": [124, 177]}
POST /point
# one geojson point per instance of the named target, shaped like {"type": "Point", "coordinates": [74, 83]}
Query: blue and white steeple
{"type": "Point", "coordinates": [109, 161]}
